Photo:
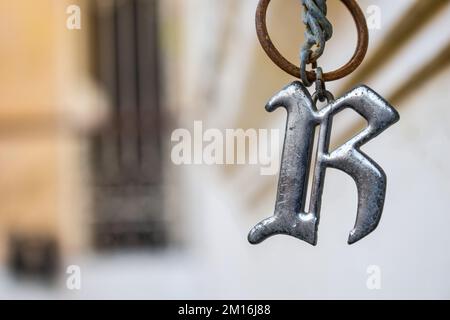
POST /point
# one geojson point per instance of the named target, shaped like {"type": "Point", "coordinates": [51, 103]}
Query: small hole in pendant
{"type": "Point", "coordinates": [321, 104]}
{"type": "Point", "coordinates": [311, 169]}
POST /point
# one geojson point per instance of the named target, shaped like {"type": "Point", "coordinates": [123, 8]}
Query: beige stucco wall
{"type": "Point", "coordinates": [47, 105]}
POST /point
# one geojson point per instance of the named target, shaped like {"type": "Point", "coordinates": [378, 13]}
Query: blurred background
{"type": "Point", "coordinates": [86, 178]}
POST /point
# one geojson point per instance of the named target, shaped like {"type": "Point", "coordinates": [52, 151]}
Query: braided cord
{"type": "Point", "coordinates": [318, 31]}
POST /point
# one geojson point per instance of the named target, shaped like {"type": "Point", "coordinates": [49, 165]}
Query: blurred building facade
{"type": "Point", "coordinates": [127, 155]}
{"type": "Point", "coordinates": [85, 123]}
{"type": "Point", "coordinates": [48, 104]}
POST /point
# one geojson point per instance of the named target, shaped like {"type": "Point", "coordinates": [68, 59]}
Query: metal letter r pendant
{"type": "Point", "coordinates": [290, 217]}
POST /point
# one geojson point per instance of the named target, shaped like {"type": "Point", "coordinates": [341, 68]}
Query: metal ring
{"type": "Point", "coordinates": [327, 95]}
{"type": "Point", "coordinates": [284, 64]}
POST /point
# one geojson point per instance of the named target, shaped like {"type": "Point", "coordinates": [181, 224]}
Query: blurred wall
{"type": "Point", "coordinates": [224, 79]}
{"type": "Point", "coordinates": [47, 105]}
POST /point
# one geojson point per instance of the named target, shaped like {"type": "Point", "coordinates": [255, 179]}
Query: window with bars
{"type": "Point", "coordinates": [127, 163]}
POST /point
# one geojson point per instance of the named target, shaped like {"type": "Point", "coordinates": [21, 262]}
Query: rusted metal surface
{"type": "Point", "coordinates": [284, 64]}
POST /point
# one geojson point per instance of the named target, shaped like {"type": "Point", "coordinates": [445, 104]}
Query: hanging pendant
{"type": "Point", "coordinates": [290, 217]}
